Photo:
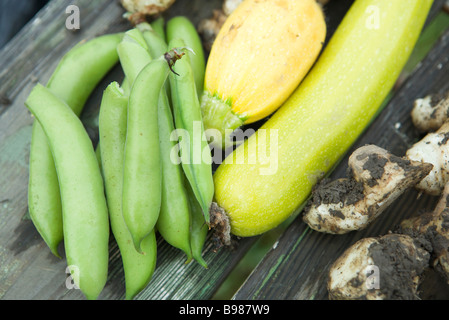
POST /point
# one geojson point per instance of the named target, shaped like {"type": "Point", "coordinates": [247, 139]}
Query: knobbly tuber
{"type": "Point", "coordinates": [374, 183]}
{"type": "Point", "coordinates": [209, 28]}
{"type": "Point", "coordinates": [429, 113]}
{"type": "Point", "coordinates": [383, 268]}
{"type": "Point", "coordinates": [434, 226]}
{"type": "Point", "coordinates": [376, 179]}
{"type": "Point", "coordinates": [391, 266]}
{"type": "Point", "coordinates": [419, 242]}
{"type": "Point", "coordinates": [434, 149]}
{"type": "Point", "coordinates": [138, 10]}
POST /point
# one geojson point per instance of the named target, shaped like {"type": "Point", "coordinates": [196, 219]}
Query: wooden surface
{"type": "Point", "coordinates": [294, 269]}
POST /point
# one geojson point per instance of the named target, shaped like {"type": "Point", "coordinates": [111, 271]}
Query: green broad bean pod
{"type": "Point", "coordinates": [196, 158]}
{"type": "Point", "coordinates": [138, 268]}
{"type": "Point", "coordinates": [142, 176]}
{"type": "Point", "coordinates": [158, 25]}
{"type": "Point", "coordinates": [84, 207]}
{"type": "Point", "coordinates": [174, 217]}
{"type": "Point", "coordinates": [133, 55]}
{"type": "Point", "coordinates": [75, 77]}
{"type": "Point", "coordinates": [125, 86]}
{"type": "Point", "coordinates": [181, 27]}
{"type": "Point", "coordinates": [198, 228]}
{"type": "Point", "coordinates": [98, 155]}
{"type": "Point", "coordinates": [154, 43]}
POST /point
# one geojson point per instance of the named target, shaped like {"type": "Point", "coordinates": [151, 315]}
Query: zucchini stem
{"type": "Point", "coordinates": [219, 120]}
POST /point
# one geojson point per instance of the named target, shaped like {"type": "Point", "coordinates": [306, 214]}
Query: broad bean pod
{"type": "Point", "coordinates": [84, 207]}
{"type": "Point", "coordinates": [75, 77]}
{"type": "Point", "coordinates": [196, 158]}
{"type": "Point", "coordinates": [174, 217]}
{"type": "Point", "coordinates": [198, 228]}
{"type": "Point", "coordinates": [181, 27]}
{"type": "Point", "coordinates": [142, 176]}
{"type": "Point", "coordinates": [138, 268]}
{"type": "Point", "coordinates": [133, 55]}
{"type": "Point", "coordinates": [158, 25]}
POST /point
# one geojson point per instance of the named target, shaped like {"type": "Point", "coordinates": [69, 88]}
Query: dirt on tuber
{"type": "Point", "coordinates": [376, 179]}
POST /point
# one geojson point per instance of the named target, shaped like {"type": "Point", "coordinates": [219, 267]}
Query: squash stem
{"type": "Point", "coordinates": [219, 120]}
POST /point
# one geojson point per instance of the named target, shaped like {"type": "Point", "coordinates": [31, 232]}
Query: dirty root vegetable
{"type": "Point", "coordinates": [377, 179]}
{"type": "Point", "coordinates": [391, 266]}
{"type": "Point", "coordinates": [265, 180]}
{"type": "Point", "coordinates": [73, 80]}
{"type": "Point", "coordinates": [434, 227]}
{"type": "Point", "coordinates": [429, 113]}
{"type": "Point", "coordinates": [434, 149]}
{"type": "Point", "coordinates": [384, 268]}
{"type": "Point", "coordinates": [144, 8]}
{"type": "Point", "coordinates": [84, 207]}
{"type": "Point", "coordinates": [261, 54]}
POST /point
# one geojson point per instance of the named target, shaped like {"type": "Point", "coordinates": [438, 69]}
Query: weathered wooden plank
{"type": "Point", "coordinates": [297, 265]}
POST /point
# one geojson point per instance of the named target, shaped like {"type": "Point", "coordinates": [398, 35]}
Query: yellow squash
{"type": "Point", "coordinates": [273, 172]}
{"type": "Point", "coordinates": [261, 54]}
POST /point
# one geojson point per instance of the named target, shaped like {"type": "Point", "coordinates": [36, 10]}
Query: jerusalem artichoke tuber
{"type": "Point", "coordinates": [434, 149]}
{"type": "Point", "coordinates": [384, 268]}
{"type": "Point", "coordinates": [434, 226]}
{"type": "Point", "coordinates": [429, 113]}
{"type": "Point", "coordinates": [376, 179]}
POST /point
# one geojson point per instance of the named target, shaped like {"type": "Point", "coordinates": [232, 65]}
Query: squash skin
{"type": "Point", "coordinates": [323, 117]}
{"type": "Point", "coordinates": [261, 54]}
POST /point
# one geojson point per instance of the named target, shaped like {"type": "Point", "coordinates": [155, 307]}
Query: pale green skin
{"type": "Point", "coordinates": [141, 194]}
{"type": "Point", "coordinates": [158, 26]}
{"type": "Point", "coordinates": [138, 268]}
{"type": "Point", "coordinates": [199, 228]}
{"type": "Point", "coordinates": [322, 118]}
{"type": "Point", "coordinates": [181, 27]}
{"type": "Point", "coordinates": [75, 77]}
{"type": "Point", "coordinates": [84, 207]}
{"type": "Point", "coordinates": [187, 111]}
{"type": "Point", "coordinates": [133, 54]}
{"type": "Point", "coordinates": [181, 221]}
{"type": "Point", "coordinates": [142, 175]}
{"type": "Point", "coordinates": [174, 217]}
